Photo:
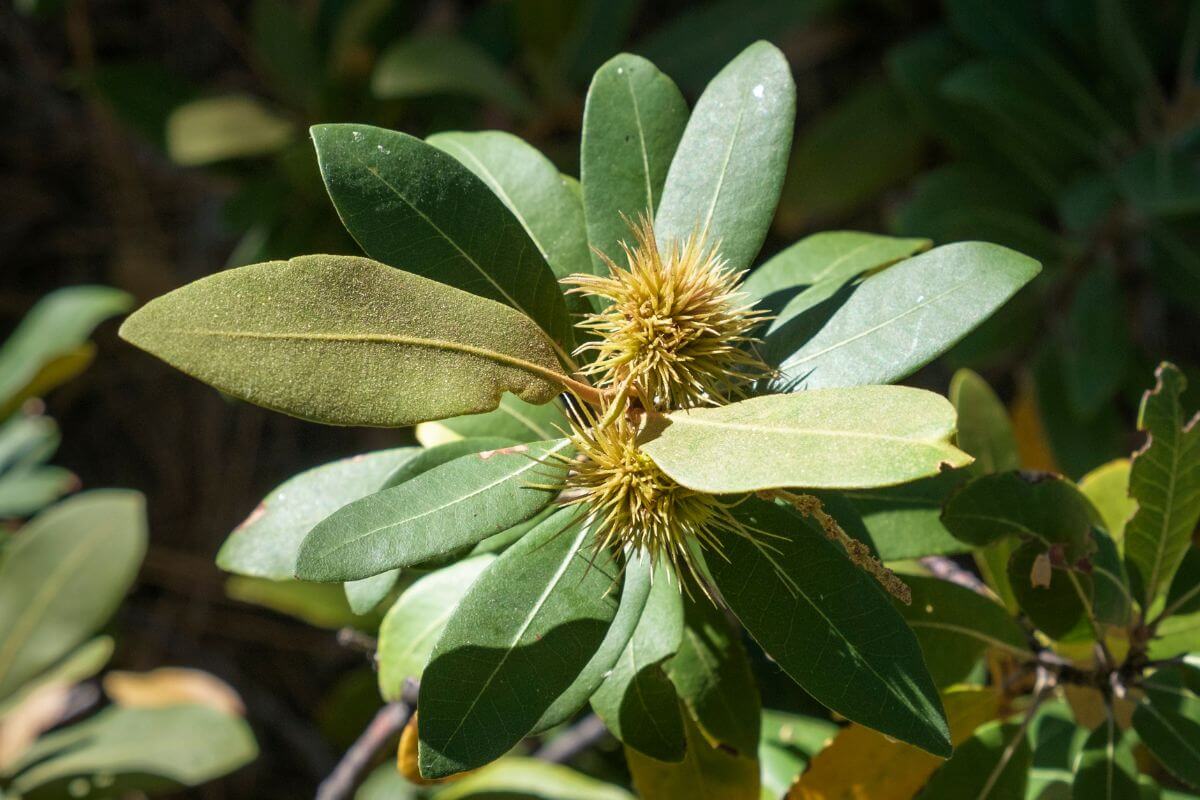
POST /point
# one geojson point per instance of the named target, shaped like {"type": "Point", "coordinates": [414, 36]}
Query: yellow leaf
{"type": "Point", "coordinates": [431, 434]}
{"type": "Point", "coordinates": [169, 686]}
{"type": "Point", "coordinates": [863, 764]}
{"type": "Point", "coordinates": [1033, 445]}
{"type": "Point", "coordinates": [406, 757]}
{"type": "Point", "coordinates": [40, 710]}
{"type": "Point", "coordinates": [1107, 486]}
{"type": "Point", "coordinates": [705, 773]}
{"type": "Point", "coordinates": [1089, 709]}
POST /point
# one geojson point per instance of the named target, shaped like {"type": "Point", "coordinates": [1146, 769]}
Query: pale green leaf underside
{"type": "Point", "coordinates": [348, 341]}
{"type": "Point", "coordinates": [828, 438]}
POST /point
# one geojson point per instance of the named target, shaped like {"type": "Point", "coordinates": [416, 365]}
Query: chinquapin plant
{"type": "Point", "coordinates": [1072, 669]}
{"type": "Point", "coordinates": [635, 439]}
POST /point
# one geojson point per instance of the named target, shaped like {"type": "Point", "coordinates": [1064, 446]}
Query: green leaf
{"type": "Point", "coordinates": [530, 779]}
{"type": "Point", "coordinates": [1107, 486]}
{"type": "Point", "coordinates": [787, 744]}
{"type": "Point", "coordinates": [413, 624]}
{"type": "Point", "coordinates": [1171, 732]}
{"type": "Point", "coordinates": [1096, 345]}
{"type": "Point", "coordinates": [991, 765]}
{"type": "Point", "coordinates": [635, 589]}
{"type": "Point", "coordinates": [185, 744]}
{"type": "Point", "coordinates": [82, 663]}
{"type": "Point", "coordinates": [26, 491]}
{"type": "Point", "coordinates": [27, 440]}
{"type": "Point", "coordinates": [828, 257]}
{"type": "Point", "coordinates": [632, 123]}
{"type": "Point", "coordinates": [712, 675]}
{"type": "Point", "coordinates": [903, 317]}
{"type": "Point", "coordinates": [514, 419]}
{"type": "Point", "coordinates": [214, 129]}
{"type": "Point", "coordinates": [431, 457]}
{"type": "Point", "coordinates": [410, 205]}
{"type": "Point", "coordinates": [533, 190]}
{"type": "Point", "coordinates": [637, 701]}
{"type": "Point", "coordinates": [727, 172]}
{"type": "Point", "coordinates": [705, 772]}
{"type": "Point", "coordinates": [834, 438]}
{"type": "Point", "coordinates": [857, 655]}
{"type": "Point", "coordinates": [365, 594]}
{"type": "Point", "coordinates": [849, 154]}
{"type": "Point", "coordinates": [984, 429]}
{"type": "Point", "coordinates": [517, 640]}
{"type": "Point", "coordinates": [266, 544]}
{"type": "Point", "coordinates": [284, 48]}
{"type": "Point", "coordinates": [63, 575]}
{"type": "Point", "coordinates": [955, 626]}
{"type": "Point", "coordinates": [321, 604]}
{"type": "Point", "coordinates": [1035, 505]}
{"type": "Point", "coordinates": [55, 327]}
{"type": "Point", "coordinates": [905, 521]}
{"type": "Point", "coordinates": [1106, 769]}
{"type": "Point", "coordinates": [329, 339]}
{"type": "Point", "coordinates": [1184, 595]}
{"type": "Point", "coordinates": [449, 507]}
{"type": "Point", "coordinates": [1059, 609]}
{"type": "Point", "coordinates": [1165, 480]}
{"type": "Point", "coordinates": [421, 66]}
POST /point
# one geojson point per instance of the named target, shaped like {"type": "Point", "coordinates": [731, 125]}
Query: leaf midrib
{"type": "Point", "coordinates": [939, 444]}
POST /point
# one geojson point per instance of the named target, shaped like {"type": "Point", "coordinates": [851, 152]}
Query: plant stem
{"type": "Point", "coordinates": [388, 721]}
{"type": "Point", "coordinates": [573, 741]}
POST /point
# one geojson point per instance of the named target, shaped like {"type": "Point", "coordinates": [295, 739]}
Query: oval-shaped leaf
{"type": "Point", "coordinates": [266, 544]}
{"type": "Point", "coordinates": [856, 655]}
{"type": "Point", "coordinates": [516, 641]}
{"type": "Point", "coordinates": [635, 589]}
{"type": "Point", "coordinates": [706, 771]}
{"type": "Point", "coordinates": [632, 122]}
{"type": "Point", "coordinates": [63, 575]}
{"type": "Point", "coordinates": [637, 701]}
{"type": "Point", "coordinates": [332, 338]}
{"type": "Point", "coordinates": [984, 429]}
{"type": "Point", "coordinates": [185, 744]}
{"type": "Point", "coordinates": [410, 205]}
{"type": "Point", "coordinates": [449, 507]}
{"type": "Point", "coordinates": [533, 190]}
{"type": "Point", "coordinates": [1106, 769]}
{"type": "Point", "coordinates": [431, 457]}
{"type": "Point", "coordinates": [413, 624]}
{"type": "Point", "coordinates": [1165, 480]}
{"type": "Point", "coordinates": [832, 439]}
{"type": "Point", "coordinates": [364, 594]}
{"type": "Point", "coordinates": [829, 256]}
{"type": "Point", "coordinates": [728, 170]}
{"type": "Point", "coordinates": [420, 66]}
{"type": "Point", "coordinates": [903, 317]}
{"type": "Point", "coordinates": [991, 765]}
{"type": "Point", "coordinates": [529, 779]}
{"type": "Point", "coordinates": [513, 419]}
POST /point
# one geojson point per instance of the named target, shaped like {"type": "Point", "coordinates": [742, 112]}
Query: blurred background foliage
{"type": "Point", "coordinates": [146, 143]}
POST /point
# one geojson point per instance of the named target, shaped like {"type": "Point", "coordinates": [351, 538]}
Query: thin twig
{"type": "Point", "coordinates": [354, 639]}
{"type": "Point", "coordinates": [573, 741]}
{"type": "Point", "coordinates": [947, 570]}
{"type": "Point", "coordinates": [388, 721]}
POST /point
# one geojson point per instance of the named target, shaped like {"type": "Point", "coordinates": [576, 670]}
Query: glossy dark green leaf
{"type": "Point", "coordinates": [788, 742]}
{"type": "Point", "coordinates": [329, 338]}
{"type": "Point", "coordinates": [1165, 480]}
{"type": "Point", "coordinates": [63, 575]}
{"type": "Point", "coordinates": [1058, 609]}
{"type": "Point", "coordinates": [857, 656]}
{"type": "Point", "coordinates": [1106, 769]}
{"type": "Point", "coordinates": [635, 590]}
{"type": "Point", "coordinates": [410, 205]}
{"type": "Point", "coordinates": [984, 429]}
{"type": "Point", "coordinates": [1184, 595]}
{"type": "Point", "coordinates": [533, 190]}
{"type": "Point", "coordinates": [830, 256]}
{"type": "Point", "coordinates": [1168, 723]}
{"type": "Point", "coordinates": [632, 123]}
{"type": "Point", "coordinates": [266, 544]}
{"type": "Point", "coordinates": [955, 626]}
{"type": "Point", "coordinates": [59, 323]}
{"type": "Point", "coordinates": [449, 507]}
{"type": "Point", "coordinates": [1112, 598]}
{"type": "Point", "coordinates": [421, 66]}
{"type": "Point", "coordinates": [1096, 345]}
{"type": "Point", "coordinates": [1035, 505]}
{"type": "Point", "coordinates": [857, 437]}
{"type": "Point", "coordinates": [727, 172]}
{"type": "Point", "coordinates": [991, 765]}
{"type": "Point", "coordinates": [519, 637]}
{"type": "Point", "coordinates": [138, 748]}
{"type": "Point", "coordinates": [413, 624]}
{"type": "Point", "coordinates": [637, 701]}
{"type": "Point", "coordinates": [712, 675]}
{"type": "Point", "coordinates": [903, 317]}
